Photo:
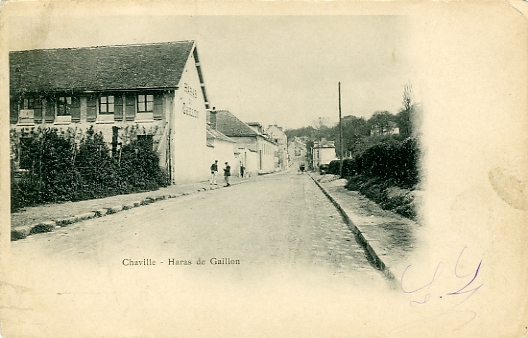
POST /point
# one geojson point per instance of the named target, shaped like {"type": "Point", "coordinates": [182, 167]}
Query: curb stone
{"type": "Point", "coordinates": [101, 212]}
{"type": "Point", "coordinates": [20, 232]}
{"type": "Point", "coordinates": [42, 227]}
{"type": "Point", "coordinates": [66, 221]}
{"type": "Point", "coordinates": [86, 215]}
{"type": "Point", "coordinates": [363, 239]}
{"type": "Point", "coordinates": [114, 209]}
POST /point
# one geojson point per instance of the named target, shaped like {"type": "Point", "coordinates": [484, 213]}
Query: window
{"type": "Point", "coordinates": [64, 106]}
{"type": "Point", "coordinates": [30, 108]}
{"type": "Point", "coordinates": [106, 104]}
{"type": "Point", "coordinates": [28, 103]}
{"type": "Point", "coordinates": [145, 103]}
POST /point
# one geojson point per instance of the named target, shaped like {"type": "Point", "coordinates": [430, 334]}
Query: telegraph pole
{"type": "Point", "coordinates": [340, 133]}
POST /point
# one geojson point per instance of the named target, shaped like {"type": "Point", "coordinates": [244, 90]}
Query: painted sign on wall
{"type": "Point", "coordinates": [189, 102]}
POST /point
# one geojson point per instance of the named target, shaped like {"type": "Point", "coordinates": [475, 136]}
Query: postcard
{"type": "Point", "coordinates": [264, 169]}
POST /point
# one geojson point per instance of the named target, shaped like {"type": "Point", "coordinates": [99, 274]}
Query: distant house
{"type": "Point", "coordinates": [275, 133]}
{"type": "Point", "coordinates": [297, 149]}
{"type": "Point", "coordinates": [151, 91]}
{"type": "Point", "coordinates": [323, 152]}
{"type": "Point", "coordinates": [223, 149]}
{"type": "Point", "coordinates": [248, 137]}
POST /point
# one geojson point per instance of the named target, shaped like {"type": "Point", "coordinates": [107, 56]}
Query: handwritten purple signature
{"type": "Point", "coordinates": [467, 287]}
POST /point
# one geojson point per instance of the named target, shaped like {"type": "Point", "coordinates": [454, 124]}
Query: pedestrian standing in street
{"type": "Point", "coordinates": [242, 170]}
{"type": "Point", "coordinates": [214, 171]}
{"type": "Point", "coordinates": [227, 173]}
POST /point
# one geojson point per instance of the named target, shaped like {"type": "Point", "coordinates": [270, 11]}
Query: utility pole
{"type": "Point", "coordinates": [340, 133]}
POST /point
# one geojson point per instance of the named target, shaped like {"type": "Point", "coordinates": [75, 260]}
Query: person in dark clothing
{"type": "Point", "coordinates": [242, 168]}
{"type": "Point", "coordinates": [227, 173]}
{"type": "Point", "coordinates": [214, 171]}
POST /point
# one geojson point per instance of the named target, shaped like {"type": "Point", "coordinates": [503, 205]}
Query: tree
{"type": "Point", "coordinates": [382, 122]}
{"type": "Point", "coordinates": [99, 171]}
{"type": "Point", "coordinates": [354, 129]}
{"type": "Point", "coordinates": [309, 151]}
{"type": "Point", "coordinates": [406, 115]}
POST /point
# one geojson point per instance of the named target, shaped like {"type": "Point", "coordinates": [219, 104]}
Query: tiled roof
{"type": "Point", "coordinates": [324, 144]}
{"type": "Point", "coordinates": [229, 125]}
{"type": "Point", "coordinates": [157, 65]}
{"type": "Point", "coordinates": [215, 134]}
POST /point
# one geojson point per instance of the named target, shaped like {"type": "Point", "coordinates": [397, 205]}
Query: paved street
{"type": "Point", "coordinates": [278, 220]}
{"type": "Point", "coordinates": [278, 233]}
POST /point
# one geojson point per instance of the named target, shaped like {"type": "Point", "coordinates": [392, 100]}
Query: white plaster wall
{"type": "Point", "coordinates": [223, 152]}
{"type": "Point", "coordinates": [190, 160]}
{"type": "Point", "coordinates": [268, 155]}
{"type": "Point", "coordinates": [252, 162]}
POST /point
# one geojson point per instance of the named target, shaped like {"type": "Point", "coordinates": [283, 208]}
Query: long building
{"type": "Point", "coordinates": [127, 92]}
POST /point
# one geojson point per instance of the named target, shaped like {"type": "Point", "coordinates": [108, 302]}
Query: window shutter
{"type": "Point", "coordinates": [158, 106]}
{"type": "Point", "coordinates": [118, 108]}
{"type": "Point", "coordinates": [37, 110]}
{"type": "Point", "coordinates": [50, 110]}
{"type": "Point", "coordinates": [13, 112]}
{"type": "Point", "coordinates": [130, 109]}
{"type": "Point", "coordinates": [75, 109]}
{"type": "Point", "coordinates": [91, 108]}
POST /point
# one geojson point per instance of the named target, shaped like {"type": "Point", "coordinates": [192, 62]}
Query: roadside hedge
{"type": "Point", "coordinates": [392, 161]}
{"type": "Point", "coordinates": [58, 169]}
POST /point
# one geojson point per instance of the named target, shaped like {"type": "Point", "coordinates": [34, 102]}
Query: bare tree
{"type": "Point", "coordinates": [405, 116]}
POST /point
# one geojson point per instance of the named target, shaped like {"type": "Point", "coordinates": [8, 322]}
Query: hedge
{"type": "Point", "coordinates": [392, 161]}
{"type": "Point", "coordinates": [58, 169]}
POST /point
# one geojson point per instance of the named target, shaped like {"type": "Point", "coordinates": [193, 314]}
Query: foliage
{"type": "Point", "coordinates": [309, 153]}
{"type": "Point", "coordinates": [391, 160]}
{"type": "Point", "coordinates": [57, 169]}
{"type": "Point", "coordinates": [140, 165]}
{"type": "Point", "coordinates": [382, 122]}
{"type": "Point", "coordinates": [407, 113]}
{"type": "Point", "coordinates": [355, 129]}
{"type": "Point", "coordinates": [98, 170]}
{"type": "Point", "coordinates": [378, 190]}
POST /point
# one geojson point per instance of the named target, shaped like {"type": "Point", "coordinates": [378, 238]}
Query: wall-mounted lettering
{"type": "Point", "coordinates": [190, 111]}
{"type": "Point", "coordinates": [189, 90]}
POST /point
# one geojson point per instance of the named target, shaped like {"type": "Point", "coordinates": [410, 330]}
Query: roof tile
{"type": "Point", "coordinates": [157, 65]}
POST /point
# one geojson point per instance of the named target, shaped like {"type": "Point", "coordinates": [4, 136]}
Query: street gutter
{"type": "Point", "coordinates": [367, 243]}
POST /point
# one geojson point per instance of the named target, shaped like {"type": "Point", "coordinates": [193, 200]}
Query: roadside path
{"type": "Point", "coordinates": [44, 218]}
{"type": "Point", "coordinates": [390, 239]}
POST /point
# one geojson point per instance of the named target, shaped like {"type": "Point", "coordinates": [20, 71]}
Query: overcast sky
{"type": "Point", "coordinates": [272, 69]}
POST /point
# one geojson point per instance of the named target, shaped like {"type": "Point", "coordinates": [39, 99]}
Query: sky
{"type": "Point", "coordinates": [271, 69]}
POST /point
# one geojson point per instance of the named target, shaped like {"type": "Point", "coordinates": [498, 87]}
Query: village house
{"type": "Point", "coordinates": [259, 151]}
{"type": "Point", "coordinates": [154, 92]}
{"type": "Point", "coordinates": [222, 149]}
{"type": "Point", "coordinates": [275, 133]}
{"type": "Point", "coordinates": [297, 149]}
{"type": "Point", "coordinates": [323, 152]}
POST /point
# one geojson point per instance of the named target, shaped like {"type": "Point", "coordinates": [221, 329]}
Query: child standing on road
{"type": "Point", "coordinates": [227, 173]}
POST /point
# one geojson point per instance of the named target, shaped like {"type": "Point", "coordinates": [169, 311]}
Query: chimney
{"type": "Point", "coordinates": [212, 118]}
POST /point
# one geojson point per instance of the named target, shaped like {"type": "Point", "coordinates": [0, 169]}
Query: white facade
{"type": "Point", "coordinates": [279, 137]}
{"type": "Point", "coordinates": [188, 132]}
{"type": "Point", "coordinates": [323, 153]}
